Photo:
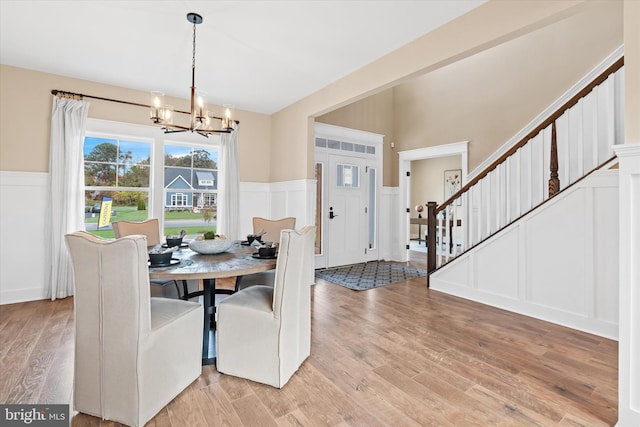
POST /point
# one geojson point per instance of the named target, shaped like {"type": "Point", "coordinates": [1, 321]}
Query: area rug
{"type": "Point", "coordinates": [369, 275]}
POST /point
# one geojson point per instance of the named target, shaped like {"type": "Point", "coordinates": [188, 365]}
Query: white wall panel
{"type": "Point", "coordinates": [24, 267]}
{"type": "Point", "coordinates": [485, 275]}
{"type": "Point", "coordinates": [606, 270]}
{"type": "Point", "coordinates": [276, 200]}
{"type": "Point", "coordinates": [558, 263]}
{"type": "Point", "coordinates": [390, 222]}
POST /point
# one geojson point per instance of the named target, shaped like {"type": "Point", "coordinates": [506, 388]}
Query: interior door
{"type": "Point", "coordinates": [346, 211]}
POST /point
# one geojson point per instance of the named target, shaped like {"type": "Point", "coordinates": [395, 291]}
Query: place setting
{"type": "Point", "coordinates": [163, 257]}
{"type": "Point", "coordinates": [253, 239]}
{"type": "Point", "coordinates": [267, 250]}
{"type": "Point", "coordinates": [176, 241]}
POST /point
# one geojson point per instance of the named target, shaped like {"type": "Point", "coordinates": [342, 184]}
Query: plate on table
{"type": "Point", "coordinates": [173, 261]}
{"type": "Point", "coordinates": [257, 256]}
{"type": "Point", "coordinates": [183, 245]}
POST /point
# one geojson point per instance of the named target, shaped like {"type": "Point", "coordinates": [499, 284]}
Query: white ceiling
{"type": "Point", "coordinates": [257, 55]}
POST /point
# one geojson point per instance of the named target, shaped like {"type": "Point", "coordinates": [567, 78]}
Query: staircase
{"type": "Point", "coordinates": [536, 231]}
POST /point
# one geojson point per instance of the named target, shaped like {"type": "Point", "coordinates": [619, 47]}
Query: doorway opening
{"type": "Point", "coordinates": [405, 181]}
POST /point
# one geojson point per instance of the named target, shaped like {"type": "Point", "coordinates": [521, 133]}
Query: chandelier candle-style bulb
{"type": "Point", "coordinates": [157, 99]}
{"type": "Point", "coordinates": [167, 114]}
{"type": "Point", "coordinates": [201, 107]}
{"type": "Point", "coordinates": [227, 123]}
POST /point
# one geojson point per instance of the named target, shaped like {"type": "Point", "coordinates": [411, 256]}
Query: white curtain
{"type": "Point", "coordinates": [229, 189]}
{"type": "Point", "coordinates": [66, 189]}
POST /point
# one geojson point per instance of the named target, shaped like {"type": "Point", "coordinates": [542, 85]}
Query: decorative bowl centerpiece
{"type": "Point", "coordinates": [210, 244]}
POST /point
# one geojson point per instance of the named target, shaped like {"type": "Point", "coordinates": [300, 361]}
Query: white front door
{"type": "Point", "coordinates": [348, 173]}
{"type": "Point", "coordinates": [346, 211]}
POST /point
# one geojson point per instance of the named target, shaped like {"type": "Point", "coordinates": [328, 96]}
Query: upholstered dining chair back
{"type": "Point", "coordinates": [149, 228]}
{"type": "Point", "coordinates": [272, 227]}
{"type": "Point", "coordinates": [264, 333]}
{"type": "Point", "coordinates": [133, 353]}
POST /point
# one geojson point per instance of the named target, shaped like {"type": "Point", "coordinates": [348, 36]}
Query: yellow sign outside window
{"type": "Point", "coordinates": [105, 212]}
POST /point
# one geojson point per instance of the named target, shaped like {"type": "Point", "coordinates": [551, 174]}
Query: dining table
{"type": "Point", "coordinates": [236, 262]}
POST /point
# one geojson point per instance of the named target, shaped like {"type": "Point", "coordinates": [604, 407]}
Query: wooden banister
{"type": "Point", "coordinates": [554, 181]}
{"type": "Point", "coordinates": [438, 257]}
{"type": "Point", "coordinates": [551, 119]}
{"type": "Point", "coordinates": [431, 237]}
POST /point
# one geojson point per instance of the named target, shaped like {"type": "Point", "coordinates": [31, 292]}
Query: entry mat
{"type": "Point", "coordinates": [369, 275]}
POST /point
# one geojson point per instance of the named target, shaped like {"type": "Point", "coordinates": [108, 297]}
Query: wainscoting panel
{"type": "Point", "coordinates": [485, 275]}
{"type": "Point", "coordinates": [390, 225]}
{"type": "Point", "coordinates": [24, 266]}
{"type": "Point", "coordinates": [276, 200]}
{"type": "Point", "coordinates": [558, 264]}
{"type": "Point", "coordinates": [554, 264]}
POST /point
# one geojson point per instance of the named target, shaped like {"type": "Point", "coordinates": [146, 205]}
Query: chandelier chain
{"type": "Point", "coordinates": [193, 59]}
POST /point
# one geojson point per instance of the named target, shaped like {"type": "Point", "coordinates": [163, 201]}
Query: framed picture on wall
{"type": "Point", "coordinates": [453, 184]}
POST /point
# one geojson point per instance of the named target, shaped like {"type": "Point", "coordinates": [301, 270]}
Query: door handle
{"type": "Point", "coordinates": [331, 214]}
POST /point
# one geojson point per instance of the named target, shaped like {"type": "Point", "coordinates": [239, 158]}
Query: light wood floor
{"type": "Point", "coordinates": [400, 355]}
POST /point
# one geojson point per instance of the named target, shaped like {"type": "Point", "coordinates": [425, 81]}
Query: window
{"type": "Point", "coordinates": [347, 176]}
{"type": "Point", "coordinates": [150, 175]}
{"type": "Point", "coordinates": [178, 199]}
{"type": "Point", "coordinates": [116, 168]}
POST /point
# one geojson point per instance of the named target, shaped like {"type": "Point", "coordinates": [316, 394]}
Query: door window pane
{"type": "Point", "coordinates": [347, 176]}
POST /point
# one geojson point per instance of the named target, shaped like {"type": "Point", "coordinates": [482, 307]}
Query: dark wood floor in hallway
{"type": "Point", "coordinates": [399, 355]}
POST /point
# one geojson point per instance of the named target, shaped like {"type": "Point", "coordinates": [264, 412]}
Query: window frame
{"type": "Point", "coordinates": [158, 139]}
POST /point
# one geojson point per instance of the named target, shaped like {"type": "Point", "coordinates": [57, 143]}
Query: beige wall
{"type": "Point", "coordinates": [372, 114]}
{"type": "Point", "coordinates": [488, 97]}
{"type": "Point", "coordinates": [489, 25]}
{"type": "Point", "coordinates": [427, 179]}
{"type": "Point", "coordinates": [25, 116]}
{"type": "Point", "coordinates": [279, 147]}
{"type": "Point", "coordinates": [632, 71]}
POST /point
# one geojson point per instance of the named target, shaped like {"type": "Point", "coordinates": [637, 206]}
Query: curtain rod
{"type": "Point", "coordinates": [64, 93]}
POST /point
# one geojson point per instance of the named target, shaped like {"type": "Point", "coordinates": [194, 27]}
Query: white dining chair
{"type": "Point", "coordinates": [271, 229]}
{"type": "Point", "coordinates": [151, 229]}
{"type": "Point", "coordinates": [133, 353]}
{"type": "Point", "coordinates": [264, 333]}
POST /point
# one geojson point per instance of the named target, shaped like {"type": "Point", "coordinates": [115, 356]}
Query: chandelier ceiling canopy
{"type": "Point", "coordinates": [201, 119]}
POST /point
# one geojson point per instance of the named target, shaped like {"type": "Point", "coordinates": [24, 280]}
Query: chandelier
{"type": "Point", "coordinates": [200, 118]}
